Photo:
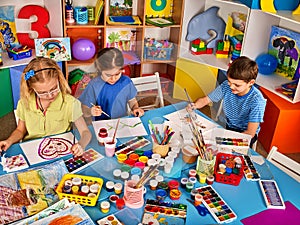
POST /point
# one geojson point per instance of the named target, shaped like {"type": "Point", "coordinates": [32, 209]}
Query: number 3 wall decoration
{"type": "Point", "coordinates": [39, 26]}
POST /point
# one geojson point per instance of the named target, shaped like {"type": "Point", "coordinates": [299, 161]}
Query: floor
{"type": "Point", "coordinates": [8, 124]}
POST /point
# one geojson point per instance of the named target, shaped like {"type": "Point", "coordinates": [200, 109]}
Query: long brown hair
{"type": "Point", "coordinates": [41, 69]}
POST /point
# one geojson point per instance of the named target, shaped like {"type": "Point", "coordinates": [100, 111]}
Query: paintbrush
{"type": "Point", "coordinates": [102, 110]}
{"type": "Point", "coordinates": [113, 139]}
{"type": "Point", "coordinates": [188, 97]}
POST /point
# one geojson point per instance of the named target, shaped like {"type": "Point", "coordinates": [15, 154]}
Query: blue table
{"type": "Point", "coordinates": [245, 199]}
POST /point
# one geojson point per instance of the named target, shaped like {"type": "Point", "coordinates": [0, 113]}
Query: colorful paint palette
{"type": "Point", "coordinates": [131, 145]}
{"type": "Point", "coordinates": [14, 163]}
{"type": "Point", "coordinates": [218, 208]}
{"type": "Point", "coordinates": [271, 194]}
{"type": "Point", "coordinates": [89, 157]}
{"type": "Point", "coordinates": [109, 220]}
{"type": "Point", "coordinates": [239, 145]}
{"type": "Point", "coordinates": [159, 212]}
{"type": "Point", "coordinates": [250, 171]}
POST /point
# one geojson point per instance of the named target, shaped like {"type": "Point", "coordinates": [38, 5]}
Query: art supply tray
{"type": "Point", "coordinates": [237, 173]}
{"type": "Point", "coordinates": [217, 207]}
{"type": "Point", "coordinates": [80, 199]}
{"type": "Point", "coordinates": [271, 194]}
{"type": "Point", "coordinates": [131, 145]}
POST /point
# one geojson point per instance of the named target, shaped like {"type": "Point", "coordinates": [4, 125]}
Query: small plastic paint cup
{"type": "Point", "coordinates": [140, 165]}
{"type": "Point", "coordinates": [135, 170]}
{"type": "Point", "coordinates": [159, 178]}
{"type": "Point", "coordinates": [67, 189]}
{"type": "Point", "coordinates": [189, 187]}
{"type": "Point", "coordinates": [148, 153]}
{"type": "Point", "coordinates": [105, 205]}
{"type": "Point", "coordinates": [110, 186]}
{"type": "Point", "coordinates": [193, 180]}
{"type": "Point", "coordinates": [175, 194]}
{"type": "Point", "coordinates": [75, 190]}
{"type": "Point", "coordinates": [169, 160]}
{"type": "Point", "coordinates": [162, 163]}
{"type": "Point", "coordinates": [94, 188]}
{"type": "Point", "coordinates": [91, 195]}
{"type": "Point", "coordinates": [135, 177]}
{"type": "Point", "coordinates": [202, 178]}
{"type": "Point", "coordinates": [143, 159]}
{"type": "Point", "coordinates": [173, 184]}
{"type": "Point", "coordinates": [183, 182]}
{"type": "Point", "coordinates": [117, 174]}
{"type": "Point", "coordinates": [110, 147]}
{"type": "Point", "coordinates": [125, 168]}
{"type": "Point", "coordinates": [153, 184]}
{"type": "Point", "coordinates": [198, 199]}
{"type": "Point", "coordinates": [151, 162]}
{"type": "Point", "coordinates": [167, 168]}
{"type": "Point", "coordinates": [134, 157]}
{"type": "Point", "coordinates": [192, 173]}
{"type": "Point", "coordinates": [139, 151]}
{"type": "Point", "coordinates": [118, 188]}
{"type": "Point", "coordinates": [124, 175]}
{"type": "Point", "coordinates": [222, 168]}
{"type": "Point", "coordinates": [76, 181]}
{"type": "Point", "coordinates": [176, 150]}
{"type": "Point", "coordinates": [160, 194]}
{"type": "Point", "coordinates": [210, 179]}
{"type": "Point", "coordinates": [156, 156]}
{"type": "Point", "coordinates": [172, 154]}
{"type": "Point", "coordinates": [120, 203]}
{"type": "Point", "coordinates": [193, 193]}
{"type": "Point", "coordinates": [163, 185]}
{"type": "Point", "coordinates": [113, 198]}
{"type": "Point", "coordinates": [102, 135]}
{"type": "Point", "coordinates": [68, 183]}
{"type": "Point", "coordinates": [84, 190]}
{"type": "Point", "coordinates": [121, 157]}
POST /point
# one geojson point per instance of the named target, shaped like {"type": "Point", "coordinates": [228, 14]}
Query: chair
{"type": "Point", "coordinates": [286, 164]}
{"type": "Point", "coordinates": [148, 86]}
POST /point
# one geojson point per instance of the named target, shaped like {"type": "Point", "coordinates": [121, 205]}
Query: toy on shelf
{"type": "Point", "coordinates": [223, 48]}
{"type": "Point", "coordinates": [20, 52]}
{"type": "Point", "coordinates": [198, 47]}
{"type": "Point", "coordinates": [69, 12]}
{"type": "Point", "coordinates": [157, 49]}
{"type": "Point", "coordinates": [206, 26]}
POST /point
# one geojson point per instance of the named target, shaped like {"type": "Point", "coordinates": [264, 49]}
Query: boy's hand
{"type": "Point", "coordinates": [191, 107]}
{"type": "Point", "coordinates": [138, 112]}
{"type": "Point", "coordinates": [96, 110]}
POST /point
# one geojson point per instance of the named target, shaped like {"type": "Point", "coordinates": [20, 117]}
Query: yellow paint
{"type": "Point", "coordinates": [267, 6]}
{"type": "Point", "coordinates": [297, 11]}
{"type": "Point", "coordinates": [197, 78]}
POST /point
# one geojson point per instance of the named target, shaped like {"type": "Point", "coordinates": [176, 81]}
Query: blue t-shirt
{"type": "Point", "coordinates": [240, 110]}
{"type": "Point", "coordinates": [113, 99]}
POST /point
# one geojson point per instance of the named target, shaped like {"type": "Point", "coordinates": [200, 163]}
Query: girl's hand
{"type": "Point", "coordinates": [191, 107]}
{"type": "Point", "coordinates": [96, 110]}
{"type": "Point", "coordinates": [4, 145]}
{"type": "Point", "coordinates": [138, 112]}
{"type": "Point", "coordinates": [77, 150]}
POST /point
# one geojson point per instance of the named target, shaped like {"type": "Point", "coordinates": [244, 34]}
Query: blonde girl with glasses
{"type": "Point", "coordinates": [46, 106]}
{"type": "Point", "coordinates": [108, 94]}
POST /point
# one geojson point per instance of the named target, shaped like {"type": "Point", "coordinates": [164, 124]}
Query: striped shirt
{"type": "Point", "coordinates": [240, 110]}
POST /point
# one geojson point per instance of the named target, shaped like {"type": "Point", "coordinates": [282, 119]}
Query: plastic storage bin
{"type": "Point", "coordinates": [233, 177]}
{"type": "Point", "coordinates": [80, 199]}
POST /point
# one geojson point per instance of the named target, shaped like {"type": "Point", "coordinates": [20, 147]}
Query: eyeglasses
{"type": "Point", "coordinates": [48, 93]}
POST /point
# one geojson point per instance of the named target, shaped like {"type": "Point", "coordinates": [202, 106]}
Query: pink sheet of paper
{"type": "Point", "coordinates": [289, 215]}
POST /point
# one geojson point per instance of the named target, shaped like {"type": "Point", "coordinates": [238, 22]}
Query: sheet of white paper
{"type": "Point", "coordinates": [36, 153]}
{"type": "Point", "coordinates": [182, 117]}
{"type": "Point", "coordinates": [258, 159]}
{"type": "Point", "coordinates": [128, 127]}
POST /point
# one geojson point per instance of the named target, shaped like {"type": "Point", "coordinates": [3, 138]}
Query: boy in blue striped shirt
{"type": "Point", "coordinates": [243, 103]}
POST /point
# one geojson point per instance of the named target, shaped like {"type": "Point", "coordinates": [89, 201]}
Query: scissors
{"type": "Point", "coordinates": [202, 210]}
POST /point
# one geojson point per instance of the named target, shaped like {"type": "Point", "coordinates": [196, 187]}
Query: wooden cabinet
{"type": "Point", "coordinates": [99, 35]}
{"type": "Point", "coordinates": [255, 41]}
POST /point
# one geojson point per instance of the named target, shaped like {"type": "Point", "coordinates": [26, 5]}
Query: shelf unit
{"type": "Point", "coordinates": [255, 41]}
{"type": "Point", "coordinates": [98, 34]}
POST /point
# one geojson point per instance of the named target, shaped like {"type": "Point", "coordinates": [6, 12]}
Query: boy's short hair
{"type": "Point", "coordinates": [243, 68]}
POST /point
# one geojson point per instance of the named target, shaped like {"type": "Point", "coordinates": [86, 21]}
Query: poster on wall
{"type": "Point", "coordinates": [58, 49]}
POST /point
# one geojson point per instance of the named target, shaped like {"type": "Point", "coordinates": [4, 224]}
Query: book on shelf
{"type": "Point", "coordinates": [288, 89]}
{"type": "Point", "coordinates": [123, 20]}
{"type": "Point", "coordinates": [120, 7]}
{"type": "Point", "coordinates": [98, 10]}
{"type": "Point", "coordinates": [159, 21]}
{"type": "Point", "coordinates": [159, 15]}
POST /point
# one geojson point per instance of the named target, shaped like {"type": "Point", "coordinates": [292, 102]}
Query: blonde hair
{"type": "Point", "coordinates": [41, 69]}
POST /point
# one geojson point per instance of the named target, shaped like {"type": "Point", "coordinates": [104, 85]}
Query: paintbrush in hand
{"type": "Point", "coordinates": [102, 110]}
{"type": "Point", "coordinates": [113, 139]}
